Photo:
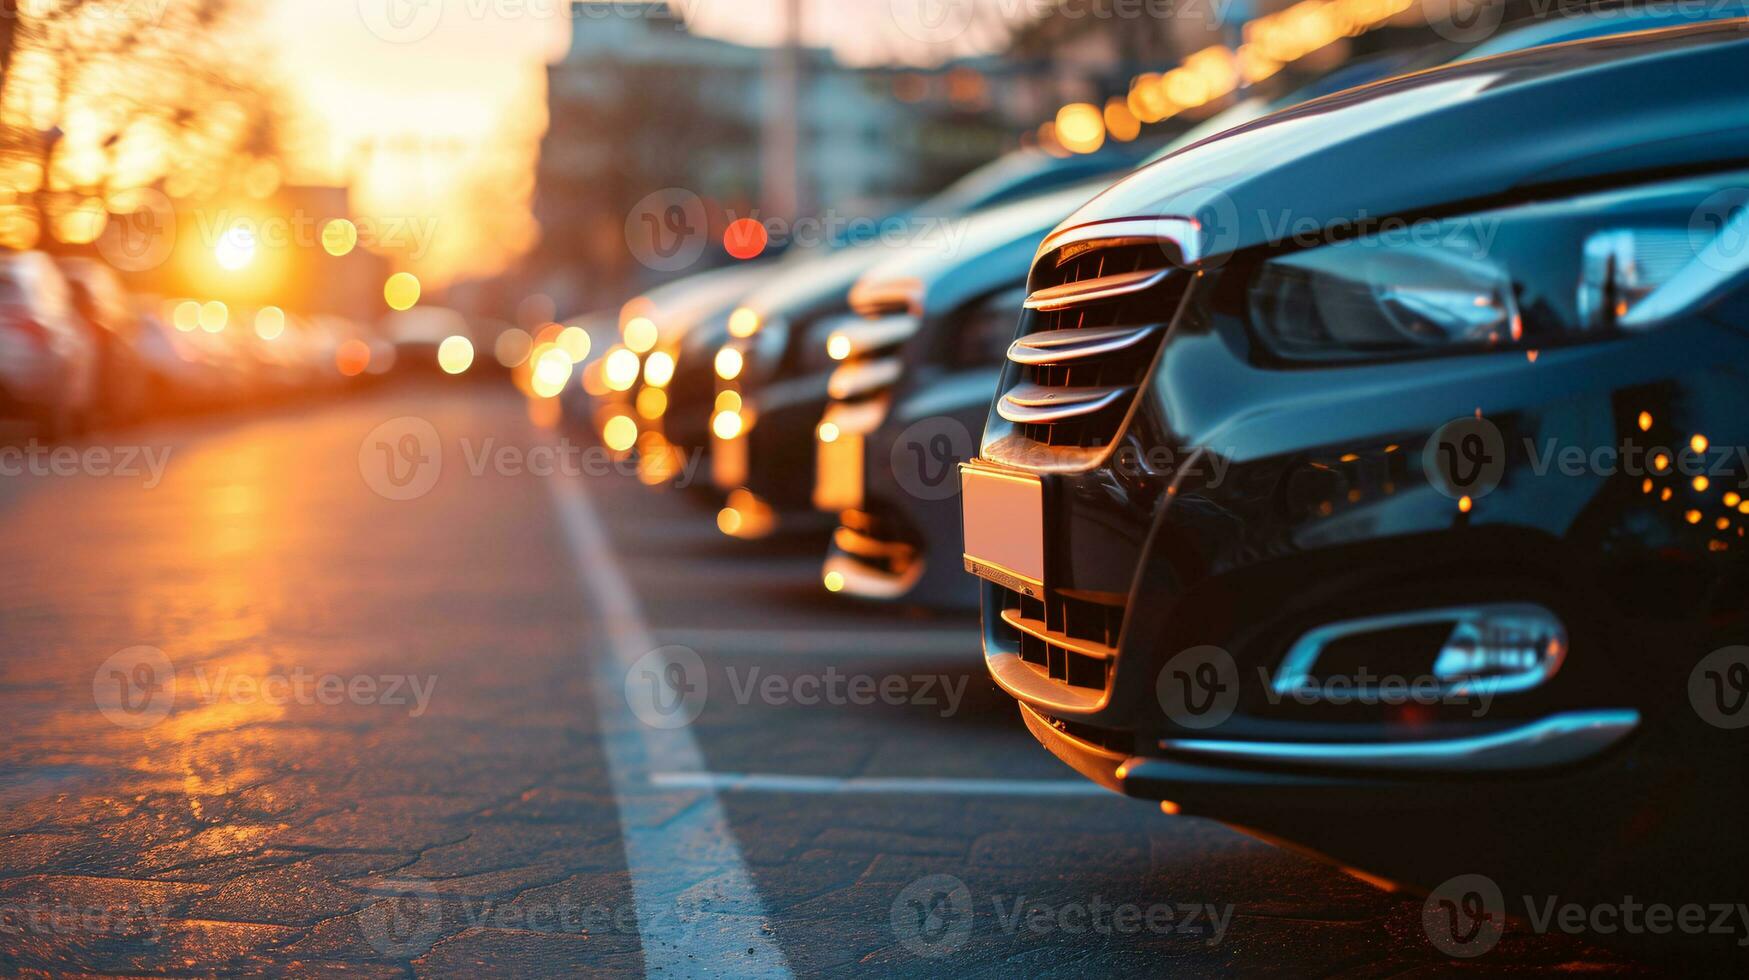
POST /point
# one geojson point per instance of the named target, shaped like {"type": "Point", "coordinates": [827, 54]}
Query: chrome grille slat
{"type": "Point", "coordinates": [1076, 343]}
{"type": "Point", "coordinates": [1030, 403]}
{"type": "Point", "coordinates": [1082, 292]}
{"type": "Point", "coordinates": [1098, 311]}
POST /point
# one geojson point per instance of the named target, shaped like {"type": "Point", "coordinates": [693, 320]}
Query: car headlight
{"type": "Point", "coordinates": [1521, 277]}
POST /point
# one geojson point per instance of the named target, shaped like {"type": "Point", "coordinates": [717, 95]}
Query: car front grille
{"type": "Point", "coordinates": [1069, 638]}
{"type": "Point", "coordinates": [1092, 327]}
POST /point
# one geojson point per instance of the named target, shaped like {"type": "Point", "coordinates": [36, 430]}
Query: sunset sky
{"type": "Point", "coordinates": [442, 115]}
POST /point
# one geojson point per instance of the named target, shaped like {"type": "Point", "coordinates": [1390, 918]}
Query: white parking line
{"type": "Point", "coordinates": [735, 782]}
{"type": "Point", "coordinates": [698, 909]}
{"type": "Point", "coordinates": [963, 642]}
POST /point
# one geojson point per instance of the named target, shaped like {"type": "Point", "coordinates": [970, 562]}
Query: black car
{"type": "Point", "coordinates": [1373, 476]}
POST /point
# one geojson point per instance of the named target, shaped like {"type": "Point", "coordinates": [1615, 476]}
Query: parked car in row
{"type": "Point", "coordinates": [1232, 470]}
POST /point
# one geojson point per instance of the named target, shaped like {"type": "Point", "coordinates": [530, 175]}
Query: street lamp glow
{"type": "Point", "coordinates": [235, 249]}
{"type": "Point", "coordinates": [401, 292]}
{"type": "Point", "coordinates": [456, 354]}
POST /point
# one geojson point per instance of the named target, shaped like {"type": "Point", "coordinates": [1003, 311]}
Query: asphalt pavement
{"type": "Point", "coordinates": [408, 684]}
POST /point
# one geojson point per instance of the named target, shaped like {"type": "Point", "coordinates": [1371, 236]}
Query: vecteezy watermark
{"type": "Point", "coordinates": [668, 230]}
{"type": "Point", "coordinates": [34, 459]}
{"type": "Point", "coordinates": [1466, 458]}
{"type": "Point", "coordinates": [1198, 688]}
{"type": "Point", "coordinates": [1360, 685]}
{"type": "Point", "coordinates": [1467, 915]}
{"type": "Point", "coordinates": [411, 916]}
{"type": "Point", "coordinates": [926, 457]}
{"type": "Point", "coordinates": [136, 688]}
{"type": "Point", "coordinates": [127, 920]}
{"type": "Point", "coordinates": [1715, 463]}
{"type": "Point", "coordinates": [669, 687]}
{"type": "Point", "coordinates": [1718, 688]}
{"type": "Point", "coordinates": [402, 459]}
{"type": "Point", "coordinates": [144, 225]}
{"type": "Point", "coordinates": [830, 687]}
{"type": "Point", "coordinates": [933, 917]}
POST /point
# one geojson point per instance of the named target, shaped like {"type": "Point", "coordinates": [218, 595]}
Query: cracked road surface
{"type": "Point", "coordinates": [263, 717]}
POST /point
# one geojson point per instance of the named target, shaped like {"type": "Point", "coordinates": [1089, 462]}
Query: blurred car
{"type": "Point", "coordinates": [1232, 471]}
{"type": "Point", "coordinates": [182, 374]}
{"type": "Point", "coordinates": [938, 332]}
{"type": "Point", "coordinates": [769, 353]}
{"type": "Point", "coordinates": [916, 366]}
{"type": "Point", "coordinates": [48, 357]}
{"type": "Point", "coordinates": [102, 303]}
{"type": "Point", "coordinates": [692, 316]}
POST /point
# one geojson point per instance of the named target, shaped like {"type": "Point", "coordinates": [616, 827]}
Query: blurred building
{"type": "Point", "coordinates": [640, 104]}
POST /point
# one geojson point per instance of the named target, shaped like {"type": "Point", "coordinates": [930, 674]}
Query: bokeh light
{"type": "Point", "coordinates": [743, 322]}
{"type": "Point", "coordinates": [269, 322]}
{"type": "Point", "coordinates": [236, 249]}
{"type": "Point", "coordinates": [745, 238]}
{"type": "Point", "coordinates": [620, 433]}
{"type": "Point", "coordinates": [352, 357]}
{"type": "Point", "coordinates": [552, 371]}
{"type": "Point", "coordinates": [575, 342]}
{"type": "Point", "coordinates": [339, 237]}
{"type": "Point", "coordinates": [455, 354]}
{"type": "Point", "coordinates": [401, 292]}
{"type": "Point", "coordinates": [728, 363]}
{"type": "Point", "coordinates": [512, 347]}
{"type": "Point", "coordinates": [620, 371]}
{"type": "Point", "coordinates": [213, 316]}
{"type": "Point", "coordinates": [1080, 127]}
{"type": "Point", "coordinates": [659, 369]}
{"type": "Point", "coordinates": [186, 316]}
{"type": "Point", "coordinates": [639, 333]}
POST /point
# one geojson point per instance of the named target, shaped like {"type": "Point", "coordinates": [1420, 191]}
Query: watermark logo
{"type": "Point", "coordinates": [402, 458]}
{"type": "Point", "coordinates": [135, 687]}
{"type": "Point", "coordinates": [926, 457]}
{"type": "Point", "coordinates": [1464, 21]}
{"type": "Point", "coordinates": [1465, 916]}
{"type": "Point", "coordinates": [932, 21]}
{"type": "Point", "coordinates": [36, 459]}
{"type": "Point", "coordinates": [1201, 223]}
{"type": "Point", "coordinates": [141, 231]}
{"type": "Point", "coordinates": [667, 687]}
{"type": "Point", "coordinates": [1199, 687]}
{"type": "Point", "coordinates": [1465, 458]}
{"type": "Point", "coordinates": [401, 21]}
{"type": "Point", "coordinates": [667, 230]}
{"type": "Point", "coordinates": [1718, 230]}
{"type": "Point", "coordinates": [932, 916]}
{"type": "Point", "coordinates": [1718, 688]}
{"type": "Point", "coordinates": [407, 922]}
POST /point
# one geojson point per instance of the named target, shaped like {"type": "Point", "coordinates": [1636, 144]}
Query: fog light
{"type": "Point", "coordinates": [1496, 648]}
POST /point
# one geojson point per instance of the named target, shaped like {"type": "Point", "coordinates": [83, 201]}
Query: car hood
{"type": "Point", "coordinates": [1465, 134]}
{"type": "Point", "coordinates": [973, 254]}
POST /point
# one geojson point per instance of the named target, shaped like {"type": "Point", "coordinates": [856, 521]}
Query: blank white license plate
{"type": "Point", "coordinates": [1004, 518]}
